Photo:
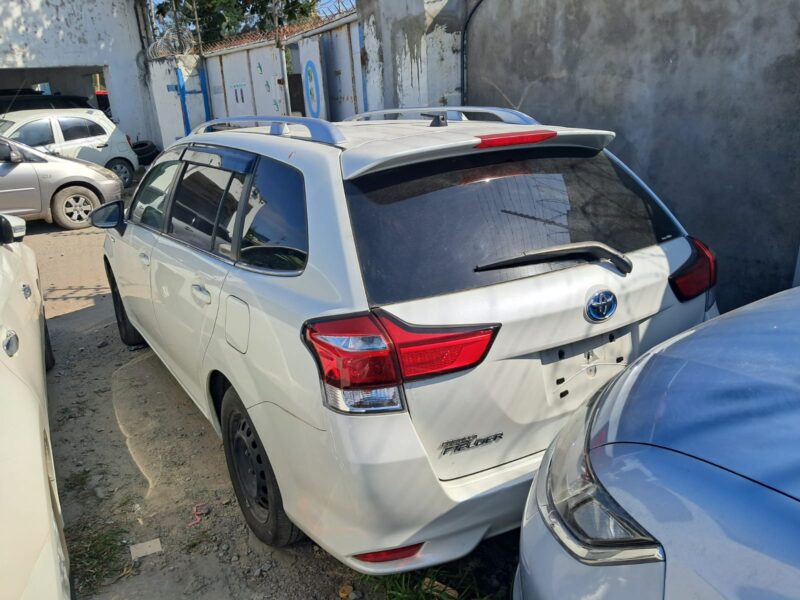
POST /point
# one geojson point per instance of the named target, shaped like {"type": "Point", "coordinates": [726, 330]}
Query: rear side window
{"type": "Point", "coordinates": [204, 208]}
{"type": "Point", "coordinates": [421, 230]}
{"type": "Point", "coordinates": [35, 133]}
{"type": "Point", "coordinates": [75, 128]}
{"type": "Point", "coordinates": [275, 230]}
{"type": "Point", "coordinates": [150, 202]}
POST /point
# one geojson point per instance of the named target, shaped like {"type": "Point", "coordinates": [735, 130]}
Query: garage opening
{"type": "Point", "coordinates": [56, 87]}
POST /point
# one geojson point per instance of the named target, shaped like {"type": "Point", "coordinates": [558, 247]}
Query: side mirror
{"type": "Point", "coordinates": [12, 229]}
{"type": "Point", "coordinates": [9, 154]}
{"type": "Point", "coordinates": [108, 216]}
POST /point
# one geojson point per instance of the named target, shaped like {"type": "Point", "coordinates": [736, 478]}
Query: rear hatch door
{"type": "Point", "coordinates": [421, 230]}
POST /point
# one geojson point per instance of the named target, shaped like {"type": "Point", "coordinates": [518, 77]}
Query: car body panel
{"type": "Point", "coordinates": [19, 189]}
{"type": "Point", "coordinates": [33, 558]}
{"type": "Point", "coordinates": [95, 149]}
{"type": "Point", "coordinates": [723, 535]}
{"type": "Point", "coordinates": [178, 275]}
{"type": "Point", "coordinates": [548, 572]}
{"type": "Point", "coordinates": [731, 380]}
{"type": "Point", "coordinates": [42, 175]}
{"type": "Point", "coordinates": [549, 356]}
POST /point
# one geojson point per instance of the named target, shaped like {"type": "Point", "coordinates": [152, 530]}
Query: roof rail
{"type": "Point", "coordinates": [454, 113]}
{"type": "Point", "coordinates": [319, 130]}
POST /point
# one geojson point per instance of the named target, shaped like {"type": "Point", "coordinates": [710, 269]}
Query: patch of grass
{"type": "Point", "coordinates": [77, 482]}
{"type": "Point", "coordinates": [444, 583]}
{"type": "Point", "coordinates": [96, 553]}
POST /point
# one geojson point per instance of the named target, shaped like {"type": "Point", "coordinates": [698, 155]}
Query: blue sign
{"type": "Point", "coordinates": [312, 90]}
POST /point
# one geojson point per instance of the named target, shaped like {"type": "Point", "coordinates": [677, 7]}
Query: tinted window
{"type": "Point", "coordinates": [74, 128]}
{"type": "Point", "coordinates": [95, 129]}
{"type": "Point", "coordinates": [36, 133]}
{"type": "Point", "coordinates": [150, 201]}
{"type": "Point", "coordinates": [205, 203]}
{"type": "Point", "coordinates": [275, 231]}
{"type": "Point", "coordinates": [421, 230]}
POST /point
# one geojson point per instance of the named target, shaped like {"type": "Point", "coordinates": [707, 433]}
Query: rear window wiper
{"type": "Point", "coordinates": [578, 250]}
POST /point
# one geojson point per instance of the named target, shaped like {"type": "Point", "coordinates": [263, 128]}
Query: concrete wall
{"type": "Point", "coordinates": [412, 51]}
{"type": "Point", "coordinates": [175, 117]}
{"type": "Point", "coordinates": [703, 95]}
{"type": "Point", "coordinates": [48, 34]}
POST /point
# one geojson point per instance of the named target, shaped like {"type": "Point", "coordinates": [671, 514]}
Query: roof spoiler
{"type": "Point", "coordinates": [362, 160]}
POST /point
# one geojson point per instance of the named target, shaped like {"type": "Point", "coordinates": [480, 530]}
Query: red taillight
{"type": "Point", "coordinates": [425, 351]}
{"type": "Point", "coordinates": [387, 555]}
{"type": "Point", "coordinates": [697, 275]}
{"type": "Point", "coordinates": [364, 359]}
{"type": "Point", "coordinates": [494, 140]}
{"type": "Point", "coordinates": [353, 352]}
{"type": "Point", "coordinates": [130, 142]}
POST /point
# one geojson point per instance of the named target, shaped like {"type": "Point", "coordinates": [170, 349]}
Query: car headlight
{"type": "Point", "coordinates": [581, 514]}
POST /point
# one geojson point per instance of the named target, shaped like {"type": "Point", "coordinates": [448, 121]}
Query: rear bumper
{"type": "Point", "coordinates": [366, 484]}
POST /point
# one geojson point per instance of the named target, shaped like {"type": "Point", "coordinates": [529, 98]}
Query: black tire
{"type": "Point", "coordinates": [72, 205]}
{"type": "Point", "coordinates": [123, 169]}
{"type": "Point", "coordinates": [253, 478]}
{"type": "Point", "coordinates": [49, 357]}
{"type": "Point", "coordinates": [127, 332]}
{"type": "Point", "coordinates": [146, 151]}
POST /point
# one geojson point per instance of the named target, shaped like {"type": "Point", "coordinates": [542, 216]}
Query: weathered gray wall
{"type": "Point", "coordinates": [704, 96]}
{"type": "Point", "coordinates": [412, 51]}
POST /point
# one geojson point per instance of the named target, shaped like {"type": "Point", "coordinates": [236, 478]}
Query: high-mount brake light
{"type": "Point", "coordinates": [495, 140]}
{"type": "Point", "coordinates": [364, 359]}
{"type": "Point", "coordinates": [387, 555]}
{"type": "Point", "coordinates": [697, 275]}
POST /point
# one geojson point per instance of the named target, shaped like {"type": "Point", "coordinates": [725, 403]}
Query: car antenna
{"type": "Point", "coordinates": [439, 119]}
{"type": "Point", "coordinates": [14, 99]}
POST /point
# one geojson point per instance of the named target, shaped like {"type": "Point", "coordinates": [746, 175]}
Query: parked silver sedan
{"type": "Point", "coordinates": [682, 479]}
{"type": "Point", "coordinates": [35, 185]}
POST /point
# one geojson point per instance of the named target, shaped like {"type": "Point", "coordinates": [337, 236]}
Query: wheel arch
{"type": "Point", "coordinates": [82, 184]}
{"type": "Point", "coordinates": [218, 384]}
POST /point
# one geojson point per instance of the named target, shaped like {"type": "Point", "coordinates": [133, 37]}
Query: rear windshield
{"type": "Point", "coordinates": [421, 230]}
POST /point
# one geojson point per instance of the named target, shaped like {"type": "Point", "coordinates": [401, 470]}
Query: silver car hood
{"type": "Point", "coordinates": [727, 392]}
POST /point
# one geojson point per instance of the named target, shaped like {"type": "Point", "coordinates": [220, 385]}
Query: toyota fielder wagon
{"type": "Point", "coordinates": [388, 321]}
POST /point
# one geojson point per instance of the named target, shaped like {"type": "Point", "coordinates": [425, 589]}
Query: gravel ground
{"type": "Point", "coordinates": [136, 460]}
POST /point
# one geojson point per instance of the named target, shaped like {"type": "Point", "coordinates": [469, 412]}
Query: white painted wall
{"type": "Point", "coordinates": [216, 86]}
{"type": "Point", "coordinates": [238, 89]}
{"type": "Point", "coordinates": [164, 84]}
{"type": "Point", "coordinates": [245, 80]}
{"type": "Point", "coordinates": [265, 74]}
{"type": "Point", "coordinates": [71, 33]}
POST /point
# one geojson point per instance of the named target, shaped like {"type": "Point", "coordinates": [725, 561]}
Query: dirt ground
{"type": "Point", "coordinates": [137, 461]}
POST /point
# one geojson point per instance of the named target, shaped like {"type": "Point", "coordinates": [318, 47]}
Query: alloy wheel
{"type": "Point", "coordinates": [122, 172]}
{"type": "Point", "coordinates": [77, 208]}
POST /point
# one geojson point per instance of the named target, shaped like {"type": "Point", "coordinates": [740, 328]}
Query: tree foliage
{"type": "Point", "coordinates": [219, 19]}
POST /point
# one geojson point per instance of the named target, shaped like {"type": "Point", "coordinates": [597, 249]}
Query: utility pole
{"type": "Point", "coordinates": [176, 23]}
{"type": "Point", "coordinates": [197, 27]}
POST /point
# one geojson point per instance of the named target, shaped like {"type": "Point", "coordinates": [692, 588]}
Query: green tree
{"type": "Point", "coordinates": [219, 19]}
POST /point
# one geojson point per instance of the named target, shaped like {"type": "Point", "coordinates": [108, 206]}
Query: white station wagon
{"type": "Point", "coordinates": [388, 321]}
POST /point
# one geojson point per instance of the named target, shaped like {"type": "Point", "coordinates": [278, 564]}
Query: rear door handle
{"type": "Point", "coordinates": [145, 258]}
{"type": "Point", "coordinates": [201, 294]}
{"type": "Point", "coordinates": [101, 146]}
